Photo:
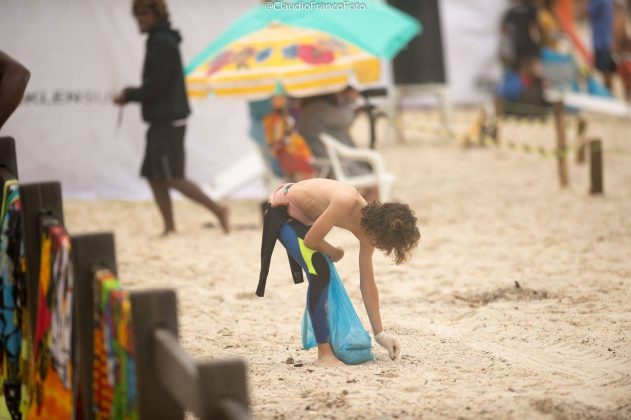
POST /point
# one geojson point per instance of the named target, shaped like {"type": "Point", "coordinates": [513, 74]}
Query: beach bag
{"type": "Point", "coordinates": [349, 340]}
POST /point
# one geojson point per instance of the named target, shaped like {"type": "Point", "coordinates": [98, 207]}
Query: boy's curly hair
{"type": "Point", "coordinates": [392, 227]}
{"type": "Point", "coordinates": [157, 7]}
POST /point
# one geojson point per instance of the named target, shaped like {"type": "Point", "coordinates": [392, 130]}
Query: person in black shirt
{"type": "Point", "coordinates": [521, 32]}
{"type": "Point", "coordinates": [162, 96]}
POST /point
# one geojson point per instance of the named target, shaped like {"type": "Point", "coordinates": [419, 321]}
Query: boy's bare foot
{"type": "Point", "coordinates": [329, 361]}
{"type": "Point", "coordinates": [224, 217]}
{"type": "Point", "coordinates": [326, 357]}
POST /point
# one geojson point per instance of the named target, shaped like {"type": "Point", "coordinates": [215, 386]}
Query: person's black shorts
{"type": "Point", "coordinates": [604, 61]}
{"type": "Point", "coordinates": [164, 153]}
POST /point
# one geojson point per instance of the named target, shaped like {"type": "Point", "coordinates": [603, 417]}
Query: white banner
{"type": "Point", "coordinates": [470, 41]}
{"type": "Point", "coordinates": [80, 52]}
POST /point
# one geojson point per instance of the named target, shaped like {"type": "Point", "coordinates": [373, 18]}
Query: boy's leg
{"type": "Point", "coordinates": [192, 191]}
{"type": "Point", "coordinates": [318, 273]}
{"type": "Point", "coordinates": [161, 195]}
{"type": "Point", "coordinates": [317, 297]}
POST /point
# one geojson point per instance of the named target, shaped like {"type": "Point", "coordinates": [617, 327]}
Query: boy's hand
{"type": "Point", "coordinates": [337, 254]}
{"type": "Point", "coordinates": [390, 343]}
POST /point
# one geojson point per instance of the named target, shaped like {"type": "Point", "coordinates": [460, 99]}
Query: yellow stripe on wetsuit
{"type": "Point", "coordinates": [307, 255]}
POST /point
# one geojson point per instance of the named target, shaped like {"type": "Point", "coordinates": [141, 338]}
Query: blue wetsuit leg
{"type": "Point", "coordinates": [318, 273]}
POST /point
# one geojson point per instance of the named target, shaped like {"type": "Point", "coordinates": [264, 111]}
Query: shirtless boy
{"type": "Point", "coordinates": [309, 210]}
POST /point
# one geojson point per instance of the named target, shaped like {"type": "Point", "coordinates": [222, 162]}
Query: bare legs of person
{"type": "Point", "coordinates": [190, 190]}
{"type": "Point", "coordinates": [326, 357]}
{"type": "Point", "coordinates": [161, 195]}
{"type": "Point", "coordinates": [319, 275]}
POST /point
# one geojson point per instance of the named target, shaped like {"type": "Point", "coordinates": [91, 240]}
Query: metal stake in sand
{"type": "Point", "coordinates": [559, 119]}
{"type": "Point", "coordinates": [499, 112]}
{"type": "Point", "coordinates": [581, 126]}
{"type": "Point", "coordinates": [596, 166]}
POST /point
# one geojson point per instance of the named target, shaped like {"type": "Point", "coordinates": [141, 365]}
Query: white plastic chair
{"type": "Point", "coordinates": [378, 178]}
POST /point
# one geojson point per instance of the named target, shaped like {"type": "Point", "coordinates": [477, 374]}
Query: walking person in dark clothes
{"type": "Point", "coordinates": [521, 34]}
{"type": "Point", "coordinates": [162, 96]}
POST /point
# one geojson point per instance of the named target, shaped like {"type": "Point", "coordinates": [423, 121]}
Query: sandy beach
{"type": "Point", "coordinates": [517, 303]}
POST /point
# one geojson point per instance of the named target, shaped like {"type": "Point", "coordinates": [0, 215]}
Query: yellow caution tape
{"type": "Point", "coordinates": [476, 136]}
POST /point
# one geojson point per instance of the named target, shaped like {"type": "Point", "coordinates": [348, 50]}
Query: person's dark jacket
{"type": "Point", "coordinates": [519, 22]}
{"type": "Point", "coordinates": [162, 93]}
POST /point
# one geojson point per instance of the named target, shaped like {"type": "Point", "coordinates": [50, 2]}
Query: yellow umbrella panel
{"type": "Point", "coordinates": [304, 61]}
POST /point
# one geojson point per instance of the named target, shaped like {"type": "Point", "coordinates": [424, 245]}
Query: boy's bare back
{"type": "Point", "coordinates": [317, 194]}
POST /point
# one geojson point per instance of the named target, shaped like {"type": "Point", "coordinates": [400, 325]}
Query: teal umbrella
{"type": "Point", "coordinates": [374, 26]}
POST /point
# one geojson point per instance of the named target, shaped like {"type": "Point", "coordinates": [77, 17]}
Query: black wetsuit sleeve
{"type": "Point", "coordinates": [274, 219]}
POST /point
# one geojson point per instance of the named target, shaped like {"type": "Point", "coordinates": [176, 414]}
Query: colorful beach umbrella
{"type": "Point", "coordinates": [300, 62]}
{"type": "Point", "coordinates": [370, 25]}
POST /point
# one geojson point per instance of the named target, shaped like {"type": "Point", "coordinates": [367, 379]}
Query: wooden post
{"type": "Point", "coordinates": [596, 167]}
{"type": "Point", "coordinates": [211, 390]}
{"type": "Point", "coordinates": [559, 119]}
{"type": "Point", "coordinates": [499, 113]}
{"type": "Point", "coordinates": [581, 126]}
{"type": "Point", "coordinates": [41, 202]}
{"type": "Point", "coordinates": [223, 389]}
{"type": "Point", "coordinates": [8, 161]}
{"type": "Point", "coordinates": [150, 310]}
{"type": "Point", "coordinates": [90, 252]}
{"type": "Point", "coordinates": [169, 379]}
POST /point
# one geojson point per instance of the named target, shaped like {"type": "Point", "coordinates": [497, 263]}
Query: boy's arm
{"type": "Point", "coordinates": [314, 239]}
{"type": "Point", "coordinates": [370, 295]}
{"type": "Point", "coordinates": [368, 286]}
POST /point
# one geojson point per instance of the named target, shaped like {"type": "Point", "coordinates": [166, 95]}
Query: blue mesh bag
{"type": "Point", "coordinates": [349, 340]}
